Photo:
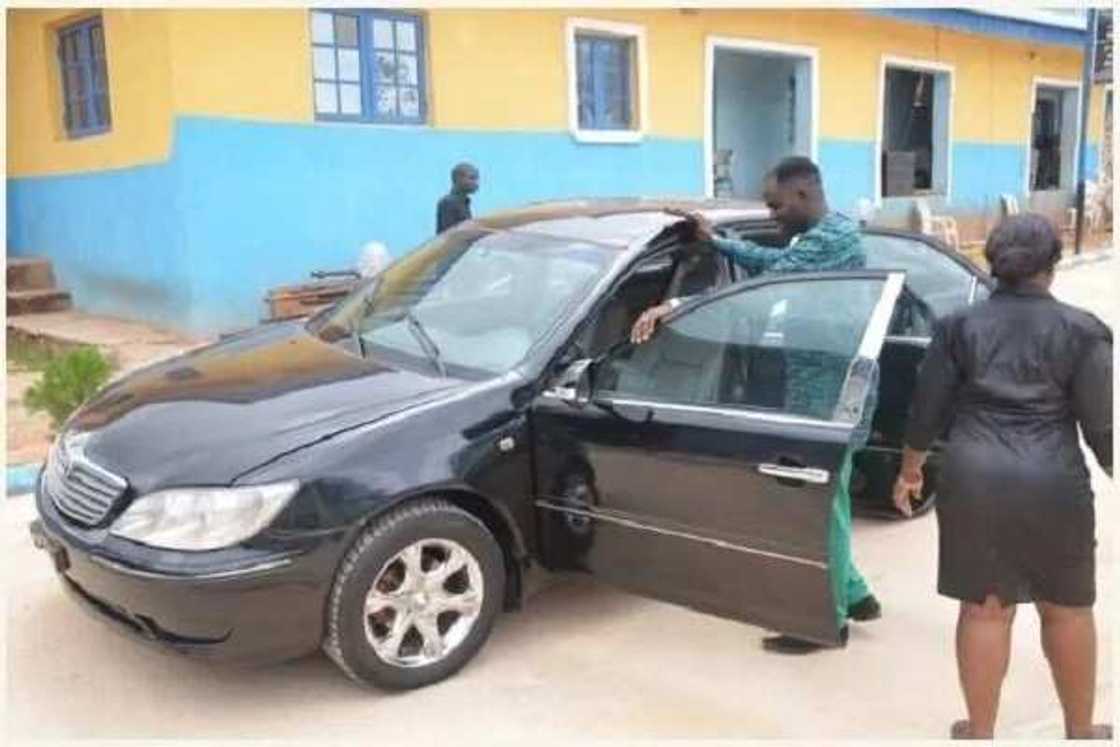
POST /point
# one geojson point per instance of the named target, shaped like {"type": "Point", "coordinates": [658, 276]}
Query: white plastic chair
{"type": "Point", "coordinates": [943, 227]}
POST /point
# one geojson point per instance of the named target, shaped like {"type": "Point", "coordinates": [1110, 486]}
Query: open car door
{"type": "Point", "coordinates": [699, 467]}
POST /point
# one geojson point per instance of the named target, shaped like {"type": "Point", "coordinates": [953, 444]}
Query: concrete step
{"type": "Point", "coordinates": [37, 301]}
{"type": "Point", "coordinates": [29, 273]}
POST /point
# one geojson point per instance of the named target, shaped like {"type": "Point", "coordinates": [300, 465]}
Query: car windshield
{"type": "Point", "coordinates": [471, 301]}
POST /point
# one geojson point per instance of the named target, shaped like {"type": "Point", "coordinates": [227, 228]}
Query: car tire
{"type": "Point", "coordinates": [400, 616]}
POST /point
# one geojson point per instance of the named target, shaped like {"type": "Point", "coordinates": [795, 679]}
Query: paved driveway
{"type": "Point", "coordinates": [582, 661]}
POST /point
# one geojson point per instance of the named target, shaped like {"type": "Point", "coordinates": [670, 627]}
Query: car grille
{"type": "Point", "coordinates": [81, 490]}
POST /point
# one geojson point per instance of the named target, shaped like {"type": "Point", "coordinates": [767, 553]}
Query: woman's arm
{"type": "Point", "coordinates": [1092, 396]}
{"type": "Point", "coordinates": [931, 408]}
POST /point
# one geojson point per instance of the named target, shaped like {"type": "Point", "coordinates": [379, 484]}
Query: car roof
{"type": "Point", "coordinates": [616, 221]}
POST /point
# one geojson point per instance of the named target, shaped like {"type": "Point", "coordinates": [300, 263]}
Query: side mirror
{"type": "Point", "coordinates": [574, 384]}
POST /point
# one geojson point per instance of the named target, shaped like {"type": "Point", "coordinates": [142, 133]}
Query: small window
{"type": "Point", "coordinates": [915, 141]}
{"type": "Point", "coordinates": [606, 70]}
{"type": "Point", "coordinates": [604, 82]}
{"type": "Point", "coordinates": [368, 66]}
{"type": "Point", "coordinates": [1053, 137]}
{"type": "Point", "coordinates": [85, 79]}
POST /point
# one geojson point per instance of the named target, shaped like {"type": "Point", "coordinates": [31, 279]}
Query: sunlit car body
{"type": "Point", "coordinates": [380, 479]}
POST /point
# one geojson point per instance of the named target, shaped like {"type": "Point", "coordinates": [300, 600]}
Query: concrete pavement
{"type": "Point", "coordinates": [582, 661]}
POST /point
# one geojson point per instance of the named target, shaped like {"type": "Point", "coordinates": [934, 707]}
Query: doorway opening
{"type": "Point", "coordinates": [1053, 136]}
{"type": "Point", "coordinates": [762, 103]}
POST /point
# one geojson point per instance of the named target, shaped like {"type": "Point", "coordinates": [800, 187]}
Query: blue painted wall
{"type": "Point", "coordinates": [242, 207]}
{"type": "Point", "coordinates": [982, 172]}
{"type": "Point", "coordinates": [114, 236]}
{"type": "Point", "coordinates": [846, 166]}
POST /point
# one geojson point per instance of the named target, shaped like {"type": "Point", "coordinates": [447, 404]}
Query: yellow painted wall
{"type": "Point", "coordinates": [252, 63]}
{"type": "Point", "coordinates": [139, 93]}
{"type": "Point", "coordinates": [488, 70]}
{"type": "Point", "coordinates": [530, 60]}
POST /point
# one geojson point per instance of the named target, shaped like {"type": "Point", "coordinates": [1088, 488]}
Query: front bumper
{"type": "Point", "coordinates": [260, 608]}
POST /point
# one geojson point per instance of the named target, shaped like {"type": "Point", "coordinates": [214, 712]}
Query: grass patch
{"type": "Point", "coordinates": [67, 381]}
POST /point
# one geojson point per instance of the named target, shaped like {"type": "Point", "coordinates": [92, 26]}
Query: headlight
{"type": "Point", "coordinates": [202, 518]}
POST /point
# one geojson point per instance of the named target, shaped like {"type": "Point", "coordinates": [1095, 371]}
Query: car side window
{"type": "Point", "coordinates": [645, 286]}
{"type": "Point", "coordinates": [935, 284]}
{"type": "Point", "coordinates": [785, 346]}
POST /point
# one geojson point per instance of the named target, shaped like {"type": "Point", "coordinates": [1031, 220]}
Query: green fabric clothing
{"type": "Point", "coordinates": [833, 244]}
{"type": "Point", "coordinates": [847, 583]}
{"type": "Point", "coordinates": [814, 378]}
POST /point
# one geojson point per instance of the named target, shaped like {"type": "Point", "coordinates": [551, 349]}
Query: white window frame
{"type": "Point", "coordinates": [635, 32]}
{"type": "Point", "coordinates": [1065, 84]}
{"type": "Point", "coordinates": [714, 43]}
{"type": "Point", "coordinates": [921, 66]}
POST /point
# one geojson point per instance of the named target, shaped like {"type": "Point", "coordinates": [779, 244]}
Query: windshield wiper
{"type": "Point", "coordinates": [426, 342]}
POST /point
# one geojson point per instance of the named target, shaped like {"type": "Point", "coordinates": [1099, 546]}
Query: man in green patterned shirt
{"type": "Point", "coordinates": [818, 240]}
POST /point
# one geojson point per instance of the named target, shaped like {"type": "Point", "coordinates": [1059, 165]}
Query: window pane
{"type": "Point", "coordinates": [387, 101]}
{"type": "Point", "coordinates": [322, 28]}
{"type": "Point", "coordinates": [780, 346]}
{"type": "Point", "coordinates": [351, 99]}
{"type": "Point", "coordinates": [383, 34]}
{"type": "Point", "coordinates": [386, 67]}
{"type": "Point", "coordinates": [75, 81]}
{"type": "Point", "coordinates": [940, 285]}
{"type": "Point", "coordinates": [410, 102]}
{"type": "Point", "coordinates": [98, 41]}
{"type": "Point", "coordinates": [584, 81]}
{"type": "Point", "coordinates": [324, 63]}
{"type": "Point", "coordinates": [349, 65]}
{"type": "Point", "coordinates": [66, 45]}
{"type": "Point", "coordinates": [326, 98]}
{"type": "Point", "coordinates": [83, 45]}
{"type": "Point", "coordinates": [101, 110]}
{"type": "Point", "coordinates": [82, 107]}
{"type": "Point", "coordinates": [346, 31]}
{"type": "Point", "coordinates": [98, 70]}
{"type": "Point", "coordinates": [406, 36]}
{"type": "Point", "coordinates": [68, 117]}
{"type": "Point", "coordinates": [407, 74]}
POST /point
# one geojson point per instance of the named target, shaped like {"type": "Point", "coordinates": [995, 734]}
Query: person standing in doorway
{"type": "Point", "coordinates": [455, 206]}
{"type": "Point", "coordinates": [1013, 379]}
{"type": "Point", "coordinates": [818, 240]}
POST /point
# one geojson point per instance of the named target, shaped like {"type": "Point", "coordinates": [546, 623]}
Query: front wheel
{"type": "Point", "coordinates": [416, 596]}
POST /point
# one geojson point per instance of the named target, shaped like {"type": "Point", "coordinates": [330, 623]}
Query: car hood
{"type": "Point", "coordinates": [206, 417]}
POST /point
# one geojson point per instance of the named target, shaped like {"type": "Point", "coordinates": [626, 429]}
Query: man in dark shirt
{"type": "Point", "coordinates": [455, 207]}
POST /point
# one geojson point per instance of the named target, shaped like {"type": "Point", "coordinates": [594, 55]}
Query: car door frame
{"type": "Point", "coordinates": [581, 518]}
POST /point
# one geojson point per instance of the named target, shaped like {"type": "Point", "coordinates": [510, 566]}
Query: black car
{"type": "Point", "coordinates": [381, 479]}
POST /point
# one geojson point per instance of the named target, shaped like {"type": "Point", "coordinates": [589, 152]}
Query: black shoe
{"type": "Point", "coordinates": [787, 644]}
{"type": "Point", "coordinates": [865, 609]}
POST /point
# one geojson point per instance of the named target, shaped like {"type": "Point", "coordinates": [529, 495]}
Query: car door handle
{"type": "Point", "coordinates": [803, 474]}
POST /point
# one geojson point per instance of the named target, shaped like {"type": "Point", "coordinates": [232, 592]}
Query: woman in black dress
{"type": "Point", "coordinates": [1011, 379]}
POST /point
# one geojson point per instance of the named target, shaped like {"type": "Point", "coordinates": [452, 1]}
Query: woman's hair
{"type": "Point", "coordinates": [1022, 246]}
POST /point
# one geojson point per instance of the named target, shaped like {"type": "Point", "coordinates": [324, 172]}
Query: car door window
{"type": "Point", "coordinates": [646, 285]}
{"type": "Point", "coordinates": [787, 345]}
{"type": "Point", "coordinates": [936, 285]}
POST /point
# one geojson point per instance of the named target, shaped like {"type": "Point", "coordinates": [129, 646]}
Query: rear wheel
{"type": "Point", "coordinates": [415, 597]}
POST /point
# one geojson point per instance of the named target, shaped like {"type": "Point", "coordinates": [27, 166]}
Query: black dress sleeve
{"type": "Point", "coordinates": [939, 377]}
{"type": "Point", "coordinates": [1092, 395]}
